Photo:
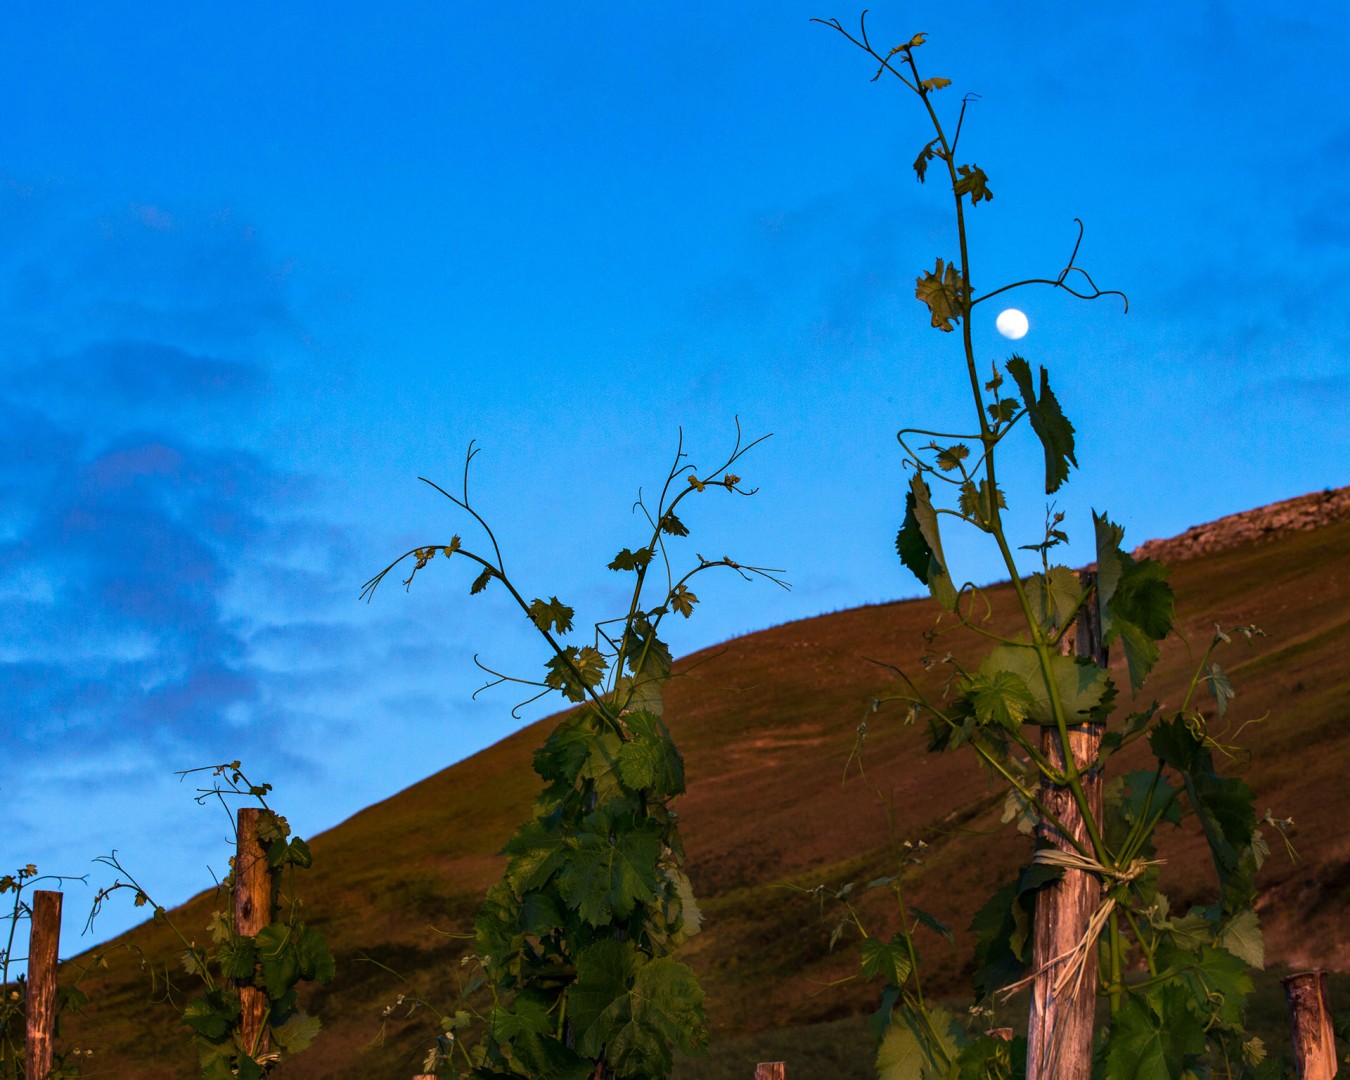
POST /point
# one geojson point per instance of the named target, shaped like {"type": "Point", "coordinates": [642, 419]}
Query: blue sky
{"type": "Point", "coordinates": [261, 269]}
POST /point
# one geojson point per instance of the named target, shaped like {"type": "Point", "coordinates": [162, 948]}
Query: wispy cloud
{"type": "Point", "coordinates": [173, 591]}
{"type": "Point", "coordinates": [143, 514]}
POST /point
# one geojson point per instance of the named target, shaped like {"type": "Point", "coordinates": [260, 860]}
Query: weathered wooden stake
{"type": "Point", "coordinates": [771, 1070]}
{"type": "Point", "coordinates": [1309, 998]}
{"type": "Point", "coordinates": [252, 912]}
{"type": "Point", "coordinates": [1060, 1027]}
{"type": "Point", "coordinates": [44, 943]}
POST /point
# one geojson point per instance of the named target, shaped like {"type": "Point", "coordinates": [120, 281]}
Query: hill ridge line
{"type": "Point", "coordinates": [1303, 513]}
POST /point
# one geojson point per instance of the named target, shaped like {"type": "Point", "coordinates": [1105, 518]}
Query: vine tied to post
{"type": "Point", "coordinates": [1019, 709]}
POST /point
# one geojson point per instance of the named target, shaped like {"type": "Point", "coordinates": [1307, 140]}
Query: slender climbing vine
{"type": "Point", "coordinates": [282, 956]}
{"type": "Point", "coordinates": [1175, 981]}
{"type": "Point", "coordinates": [14, 988]}
{"type": "Point", "coordinates": [575, 944]}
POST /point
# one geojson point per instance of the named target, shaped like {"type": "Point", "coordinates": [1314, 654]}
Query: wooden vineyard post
{"type": "Point", "coordinates": [1060, 1027]}
{"type": "Point", "coordinates": [44, 944]}
{"type": "Point", "coordinates": [252, 912]}
{"type": "Point", "coordinates": [1309, 999]}
{"type": "Point", "coordinates": [771, 1070]}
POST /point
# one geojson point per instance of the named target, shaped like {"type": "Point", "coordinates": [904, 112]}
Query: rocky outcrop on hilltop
{"type": "Point", "coordinates": [1301, 514]}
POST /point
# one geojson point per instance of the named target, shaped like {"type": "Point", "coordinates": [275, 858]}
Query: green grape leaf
{"type": "Point", "coordinates": [535, 853]}
{"type": "Point", "coordinates": [1137, 604]}
{"type": "Point", "coordinates": [605, 970]}
{"type": "Point", "coordinates": [480, 582]}
{"type": "Point", "coordinates": [297, 1033]}
{"type": "Point", "coordinates": [909, 1052]}
{"type": "Point", "coordinates": [921, 162]}
{"type": "Point", "coordinates": [1242, 937]}
{"type": "Point", "coordinates": [245, 1068]}
{"type": "Point", "coordinates": [1055, 597]}
{"type": "Point", "coordinates": [194, 962]}
{"type": "Point", "coordinates": [1085, 691]}
{"type": "Point", "coordinates": [1002, 929]}
{"type": "Point", "coordinates": [669, 1001]}
{"type": "Point", "coordinates": [690, 914]}
{"type": "Point", "coordinates": [280, 958]}
{"type": "Point", "coordinates": [920, 546]}
{"type": "Point", "coordinates": [648, 761]}
{"type": "Point", "coordinates": [1216, 681]}
{"type": "Point", "coordinates": [1017, 807]}
{"type": "Point", "coordinates": [933, 923]}
{"type": "Point", "coordinates": [1002, 411]}
{"type": "Point", "coordinates": [636, 1027]}
{"type": "Point", "coordinates": [216, 1061]}
{"type": "Point", "coordinates": [1143, 793]}
{"type": "Point", "coordinates": [1149, 1044]}
{"type": "Point", "coordinates": [609, 871]}
{"type": "Point", "coordinates": [497, 930]}
{"type": "Point", "coordinates": [1222, 804]}
{"type": "Point", "coordinates": [974, 183]}
{"type": "Point", "coordinates": [602, 767]}
{"type": "Point", "coordinates": [682, 600]}
{"type": "Point", "coordinates": [296, 853]}
{"type": "Point", "coordinates": [1216, 981]}
{"type": "Point", "coordinates": [649, 659]}
{"type": "Point", "coordinates": [944, 293]}
{"type": "Point", "coordinates": [631, 560]}
{"type": "Point", "coordinates": [999, 698]}
{"type": "Point", "coordinates": [673, 526]}
{"type": "Point", "coordinates": [564, 752]}
{"type": "Point", "coordinates": [591, 664]}
{"type": "Point", "coordinates": [645, 653]}
{"type": "Point", "coordinates": [535, 1052]}
{"type": "Point", "coordinates": [212, 1014]}
{"type": "Point", "coordinates": [553, 615]}
{"type": "Point", "coordinates": [71, 998]}
{"type": "Point", "coordinates": [938, 83]}
{"type": "Point", "coordinates": [950, 457]}
{"type": "Point", "coordinates": [236, 958]}
{"type": "Point", "coordinates": [527, 1017]}
{"type": "Point", "coordinates": [1191, 931]}
{"type": "Point", "coordinates": [1049, 423]}
{"type": "Point", "coordinates": [910, 545]}
{"type": "Point", "coordinates": [887, 959]}
{"type": "Point", "coordinates": [316, 962]}
{"type": "Point", "coordinates": [900, 1056]}
{"type": "Point", "coordinates": [974, 503]}
{"type": "Point", "coordinates": [540, 913]}
{"type": "Point", "coordinates": [573, 671]}
{"type": "Point", "coordinates": [637, 692]}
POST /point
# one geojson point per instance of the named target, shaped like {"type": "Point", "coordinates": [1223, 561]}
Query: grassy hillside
{"type": "Point", "coordinates": [767, 724]}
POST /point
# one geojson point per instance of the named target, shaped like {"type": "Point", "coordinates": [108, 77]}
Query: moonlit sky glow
{"type": "Point", "coordinates": [262, 266]}
{"type": "Point", "coordinates": [1011, 323]}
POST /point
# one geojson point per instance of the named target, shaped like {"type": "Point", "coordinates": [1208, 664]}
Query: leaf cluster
{"type": "Point", "coordinates": [577, 938]}
{"type": "Point", "coordinates": [575, 945]}
{"type": "Point", "coordinates": [14, 988]}
{"type": "Point", "coordinates": [284, 954]}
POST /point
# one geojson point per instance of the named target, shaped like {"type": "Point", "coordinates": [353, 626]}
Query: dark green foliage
{"type": "Point", "coordinates": [920, 545]}
{"type": "Point", "coordinates": [1047, 421]}
{"type": "Point", "coordinates": [591, 906]}
{"type": "Point", "coordinates": [1137, 605]}
{"type": "Point", "coordinates": [1176, 986]}
{"type": "Point", "coordinates": [575, 943]}
{"type": "Point", "coordinates": [277, 959]}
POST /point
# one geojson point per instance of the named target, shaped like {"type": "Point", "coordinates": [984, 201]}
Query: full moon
{"type": "Point", "coordinates": [1011, 323]}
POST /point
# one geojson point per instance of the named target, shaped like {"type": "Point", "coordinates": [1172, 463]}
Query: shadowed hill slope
{"type": "Point", "coordinates": [767, 725]}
